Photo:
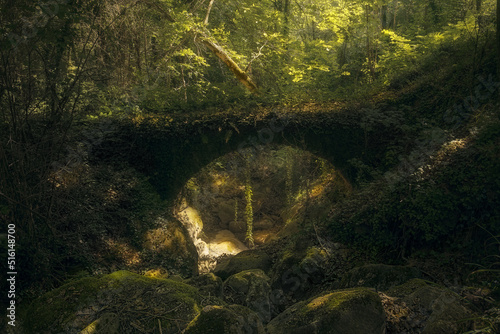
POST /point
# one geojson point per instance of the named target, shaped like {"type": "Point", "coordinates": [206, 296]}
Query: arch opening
{"type": "Point", "coordinates": [246, 198]}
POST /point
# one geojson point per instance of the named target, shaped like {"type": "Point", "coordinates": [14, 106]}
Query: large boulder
{"type": "Point", "coordinates": [233, 319]}
{"type": "Point", "coordinates": [249, 259]}
{"type": "Point", "coordinates": [237, 227]}
{"type": "Point", "coordinates": [426, 308]}
{"type": "Point", "coordinates": [298, 274]}
{"type": "Point", "coordinates": [121, 302]}
{"type": "Point", "coordinates": [225, 242]}
{"type": "Point", "coordinates": [250, 288]}
{"type": "Point", "coordinates": [108, 323]}
{"type": "Point", "coordinates": [169, 246]}
{"type": "Point", "coordinates": [354, 311]}
{"type": "Point", "coordinates": [208, 284]}
{"type": "Point", "coordinates": [225, 212]}
{"type": "Point", "coordinates": [378, 276]}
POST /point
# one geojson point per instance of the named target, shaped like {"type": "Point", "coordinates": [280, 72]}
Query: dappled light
{"type": "Point", "coordinates": [214, 203]}
{"type": "Point", "coordinates": [123, 252]}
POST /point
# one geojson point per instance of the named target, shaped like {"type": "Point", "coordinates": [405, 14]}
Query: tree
{"type": "Point", "coordinates": [204, 36]}
{"type": "Point", "coordinates": [498, 38]}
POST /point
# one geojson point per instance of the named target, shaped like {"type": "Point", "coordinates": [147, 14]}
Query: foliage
{"type": "Point", "coordinates": [64, 63]}
{"type": "Point", "coordinates": [440, 208]}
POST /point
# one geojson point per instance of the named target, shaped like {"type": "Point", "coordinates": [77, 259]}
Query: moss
{"type": "Point", "coordinates": [408, 287]}
{"type": "Point", "coordinates": [442, 310]}
{"type": "Point", "coordinates": [108, 323]}
{"type": "Point", "coordinates": [60, 303]}
{"type": "Point", "coordinates": [378, 276]}
{"type": "Point", "coordinates": [229, 320]}
{"type": "Point", "coordinates": [250, 288]}
{"type": "Point", "coordinates": [249, 259]}
{"type": "Point", "coordinates": [208, 284]}
{"type": "Point", "coordinates": [157, 273]}
{"type": "Point", "coordinates": [75, 305]}
{"type": "Point", "coordinates": [347, 311]}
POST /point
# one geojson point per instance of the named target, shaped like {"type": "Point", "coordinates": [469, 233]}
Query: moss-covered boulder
{"type": "Point", "coordinates": [249, 259]}
{"type": "Point", "coordinates": [426, 308]}
{"type": "Point", "coordinates": [121, 302]}
{"type": "Point", "coordinates": [108, 323]}
{"type": "Point", "coordinates": [354, 311]}
{"type": "Point", "coordinates": [207, 284]}
{"type": "Point", "coordinates": [250, 288]}
{"type": "Point", "coordinates": [233, 319]}
{"type": "Point", "coordinates": [378, 276]}
{"type": "Point", "coordinates": [299, 273]}
{"type": "Point", "coordinates": [170, 246]}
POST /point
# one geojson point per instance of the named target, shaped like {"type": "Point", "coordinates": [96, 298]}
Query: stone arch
{"type": "Point", "coordinates": [172, 153]}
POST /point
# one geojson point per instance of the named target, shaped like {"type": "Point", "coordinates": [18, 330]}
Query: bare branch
{"type": "Point", "coordinates": [255, 56]}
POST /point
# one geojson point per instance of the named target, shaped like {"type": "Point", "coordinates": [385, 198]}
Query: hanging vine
{"type": "Point", "coordinates": [248, 208]}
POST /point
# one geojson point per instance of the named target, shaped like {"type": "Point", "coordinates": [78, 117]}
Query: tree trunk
{"type": "Point", "coordinates": [395, 14]}
{"type": "Point", "coordinates": [498, 38]}
{"type": "Point", "coordinates": [286, 12]}
{"type": "Point", "coordinates": [208, 12]}
{"type": "Point", "coordinates": [383, 17]}
{"type": "Point", "coordinates": [216, 49]}
{"type": "Point", "coordinates": [237, 71]}
{"type": "Point", "coordinates": [479, 5]}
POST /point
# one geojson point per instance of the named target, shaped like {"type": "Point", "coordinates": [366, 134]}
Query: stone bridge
{"type": "Point", "coordinates": [170, 150]}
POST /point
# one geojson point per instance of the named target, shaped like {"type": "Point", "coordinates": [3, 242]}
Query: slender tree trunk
{"type": "Point", "coordinates": [383, 17]}
{"type": "Point", "coordinates": [208, 11]}
{"type": "Point", "coordinates": [395, 14]}
{"type": "Point", "coordinates": [369, 47]}
{"type": "Point", "coordinates": [479, 4]}
{"type": "Point", "coordinates": [286, 12]}
{"type": "Point", "coordinates": [498, 38]}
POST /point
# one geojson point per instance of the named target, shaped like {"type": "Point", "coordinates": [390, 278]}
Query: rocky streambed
{"type": "Point", "coordinates": [257, 292]}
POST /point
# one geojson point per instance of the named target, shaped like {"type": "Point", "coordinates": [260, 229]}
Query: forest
{"type": "Point", "coordinates": [273, 166]}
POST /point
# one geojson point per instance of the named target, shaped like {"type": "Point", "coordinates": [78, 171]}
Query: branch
{"type": "Point", "coordinates": [256, 56]}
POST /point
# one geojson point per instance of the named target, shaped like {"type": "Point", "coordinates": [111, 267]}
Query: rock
{"type": "Point", "coordinates": [237, 226]}
{"type": "Point", "coordinates": [157, 273]}
{"type": "Point", "coordinates": [263, 224]}
{"type": "Point", "coordinates": [298, 271]}
{"type": "Point", "coordinates": [314, 263]}
{"type": "Point", "coordinates": [263, 236]}
{"type": "Point", "coordinates": [378, 276]}
{"type": "Point", "coordinates": [170, 246]}
{"type": "Point", "coordinates": [233, 319]}
{"type": "Point", "coordinates": [225, 212]}
{"type": "Point", "coordinates": [108, 323]}
{"type": "Point", "coordinates": [249, 259]}
{"type": "Point", "coordinates": [225, 242]}
{"type": "Point", "coordinates": [177, 278]}
{"type": "Point", "coordinates": [207, 284]}
{"type": "Point", "coordinates": [428, 308]}
{"type": "Point", "coordinates": [354, 311]}
{"type": "Point", "coordinates": [79, 304]}
{"type": "Point", "coordinates": [250, 288]}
